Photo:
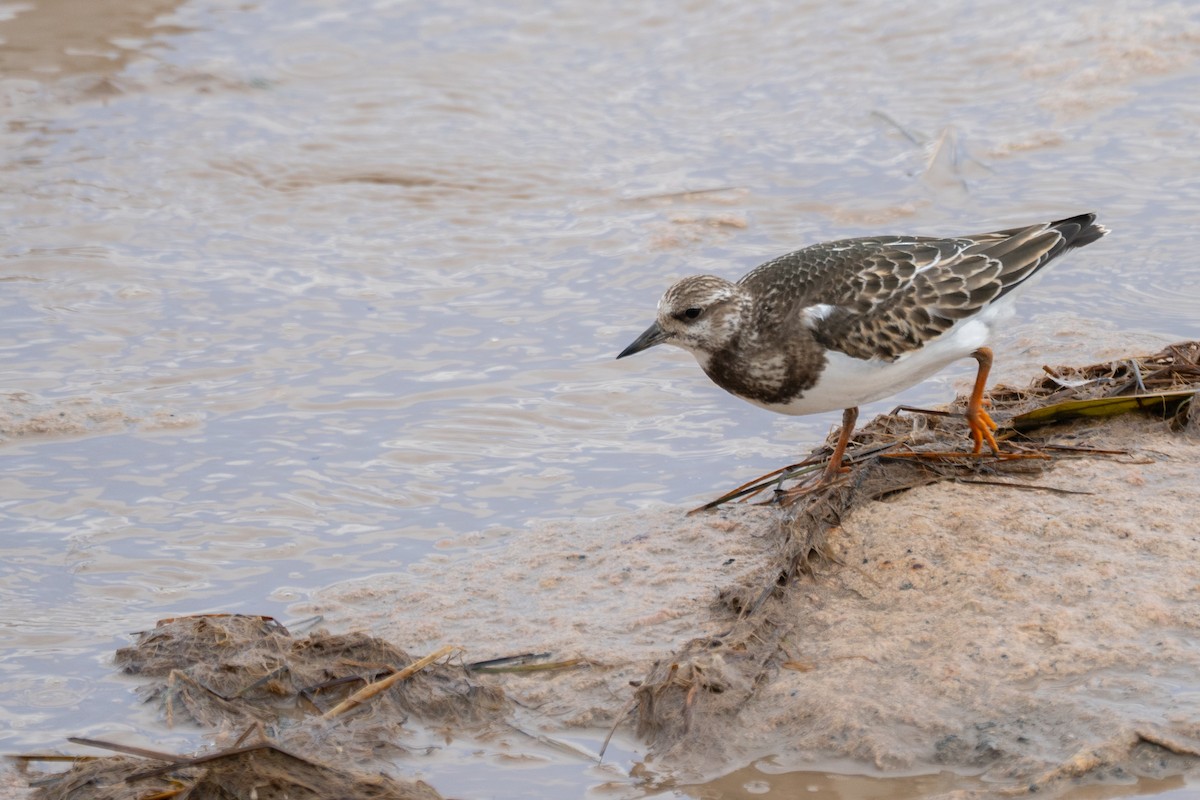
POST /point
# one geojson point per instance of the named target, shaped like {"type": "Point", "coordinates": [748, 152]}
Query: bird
{"type": "Point", "coordinates": [842, 323]}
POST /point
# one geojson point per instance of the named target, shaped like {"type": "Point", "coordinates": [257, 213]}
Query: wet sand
{"type": "Point", "coordinates": [1025, 636]}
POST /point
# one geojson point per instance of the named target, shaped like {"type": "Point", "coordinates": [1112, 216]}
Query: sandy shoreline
{"type": "Point", "coordinates": [1022, 634]}
{"type": "Point", "coordinates": [1025, 637]}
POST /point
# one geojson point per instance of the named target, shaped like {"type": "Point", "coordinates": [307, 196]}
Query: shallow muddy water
{"type": "Point", "coordinates": [294, 292]}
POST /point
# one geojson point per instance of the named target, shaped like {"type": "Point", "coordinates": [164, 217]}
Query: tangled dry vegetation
{"type": "Point", "coordinates": [891, 454]}
{"type": "Point", "coordinates": [305, 705]}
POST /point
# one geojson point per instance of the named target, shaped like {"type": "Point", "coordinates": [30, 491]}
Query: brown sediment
{"type": "Point", "coordinates": [235, 669]}
{"type": "Point", "coordinates": [227, 671]}
{"type": "Point", "coordinates": [26, 416]}
{"type": "Point", "coordinates": [261, 770]}
{"type": "Point", "coordinates": [974, 627]}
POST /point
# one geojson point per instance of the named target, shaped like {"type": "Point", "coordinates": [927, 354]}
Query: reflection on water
{"type": "Point", "coordinates": [764, 781]}
{"type": "Point", "coordinates": [290, 296]}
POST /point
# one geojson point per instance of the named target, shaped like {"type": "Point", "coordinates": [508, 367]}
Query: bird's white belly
{"type": "Point", "coordinates": [847, 381]}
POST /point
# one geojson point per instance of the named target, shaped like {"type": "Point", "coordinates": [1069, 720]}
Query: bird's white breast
{"type": "Point", "coordinates": [847, 381]}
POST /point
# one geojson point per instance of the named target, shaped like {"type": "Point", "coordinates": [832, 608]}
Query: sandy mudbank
{"type": "Point", "coordinates": [1031, 621]}
{"type": "Point", "coordinates": [1028, 634]}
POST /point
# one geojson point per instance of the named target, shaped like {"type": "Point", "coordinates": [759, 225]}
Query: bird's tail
{"type": "Point", "coordinates": [1078, 231]}
{"type": "Point", "coordinates": [1023, 251]}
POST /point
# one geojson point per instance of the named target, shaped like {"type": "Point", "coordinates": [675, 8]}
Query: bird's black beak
{"type": "Point", "coordinates": [652, 336]}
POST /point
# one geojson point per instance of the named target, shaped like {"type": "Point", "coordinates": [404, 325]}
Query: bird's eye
{"type": "Point", "coordinates": [692, 313]}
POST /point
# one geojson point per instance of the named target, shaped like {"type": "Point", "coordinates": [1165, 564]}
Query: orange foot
{"type": "Point", "coordinates": [982, 427]}
{"type": "Point", "coordinates": [834, 469]}
{"type": "Point", "coordinates": [980, 422]}
{"type": "Point", "coordinates": [832, 472]}
{"type": "Point", "coordinates": [826, 479]}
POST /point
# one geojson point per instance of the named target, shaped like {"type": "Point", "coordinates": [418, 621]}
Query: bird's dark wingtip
{"type": "Point", "coordinates": [1080, 230]}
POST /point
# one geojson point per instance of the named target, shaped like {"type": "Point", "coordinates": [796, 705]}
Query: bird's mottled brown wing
{"type": "Point", "coordinates": [880, 297]}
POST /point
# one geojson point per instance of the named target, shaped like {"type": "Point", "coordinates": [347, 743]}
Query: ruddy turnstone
{"type": "Point", "coordinates": [843, 323]}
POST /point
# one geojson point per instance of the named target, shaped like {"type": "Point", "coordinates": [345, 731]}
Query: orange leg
{"type": "Point", "coordinates": [978, 419]}
{"type": "Point", "coordinates": [834, 468]}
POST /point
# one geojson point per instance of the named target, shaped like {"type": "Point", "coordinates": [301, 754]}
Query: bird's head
{"type": "Point", "coordinates": [701, 314]}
